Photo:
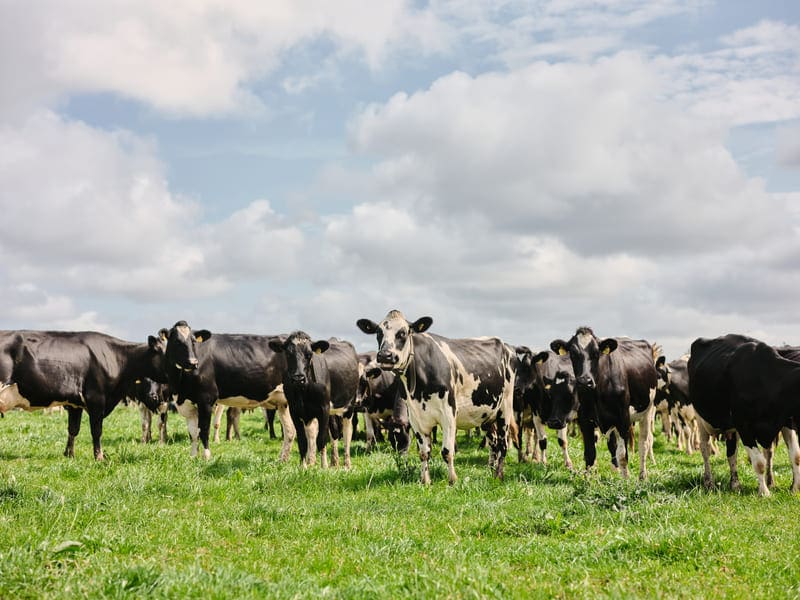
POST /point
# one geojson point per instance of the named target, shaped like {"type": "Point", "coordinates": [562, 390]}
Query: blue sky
{"type": "Point", "coordinates": [513, 169]}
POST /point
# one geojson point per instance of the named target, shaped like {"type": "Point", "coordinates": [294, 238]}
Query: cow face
{"type": "Point", "coordinates": [299, 350]}
{"type": "Point", "coordinates": [148, 392]}
{"type": "Point", "coordinates": [560, 400]}
{"type": "Point", "coordinates": [584, 350]}
{"type": "Point", "coordinates": [395, 343]}
{"type": "Point", "coordinates": [157, 346]}
{"type": "Point", "coordinates": [368, 370]}
{"type": "Point", "coordinates": [182, 345]}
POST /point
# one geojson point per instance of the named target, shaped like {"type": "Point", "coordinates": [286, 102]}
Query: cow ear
{"type": "Point", "coordinates": [153, 342]}
{"type": "Point", "coordinates": [421, 325]}
{"type": "Point", "coordinates": [522, 350]}
{"type": "Point", "coordinates": [367, 326]}
{"type": "Point", "coordinates": [201, 335]}
{"type": "Point", "coordinates": [660, 361]}
{"type": "Point", "coordinates": [163, 333]}
{"type": "Point", "coordinates": [559, 347]}
{"type": "Point", "coordinates": [373, 372]}
{"type": "Point", "coordinates": [320, 346]}
{"type": "Point", "coordinates": [608, 345]}
{"type": "Point", "coordinates": [276, 345]}
{"type": "Point", "coordinates": [541, 357]}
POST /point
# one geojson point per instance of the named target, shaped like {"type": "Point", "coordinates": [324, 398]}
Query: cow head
{"type": "Point", "coordinates": [148, 392]}
{"type": "Point", "coordinates": [368, 370]}
{"type": "Point", "coordinates": [157, 350]}
{"type": "Point", "coordinates": [395, 343]}
{"type": "Point", "coordinates": [182, 345]}
{"type": "Point", "coordinates": [559, 403]}
{"type": "Point", "coordinates": [299, 350]}
{"type": "Point", "coordinates": [584, 350]}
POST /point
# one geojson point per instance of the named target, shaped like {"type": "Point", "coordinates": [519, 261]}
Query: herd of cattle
{"type": "Point", "coordinates": [732, 386]}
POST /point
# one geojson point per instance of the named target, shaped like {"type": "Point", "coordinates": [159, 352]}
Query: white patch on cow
{"type": "Point", "coordinates": [189, 412]}
{"type": "Point", "coordinates": [184, 331]}
{"type": "Point", "coordinates": [467, 414]}
{"type": "Point", "coordinates": [312, 431]}
{"type": "Point", "coordinates": [759, 463]}
{"type": "Point", "coordinates": [584, 339]}
{"type": "Point", "coordinates": [275, 399]}
{"type": "Point", "coordinates": [10, 398]}
{"type": "Point", "coordinates": [240, 402]}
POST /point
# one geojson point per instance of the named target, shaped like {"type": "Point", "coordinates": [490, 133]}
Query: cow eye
{"type": "Point", "coordinates": [401, 335]}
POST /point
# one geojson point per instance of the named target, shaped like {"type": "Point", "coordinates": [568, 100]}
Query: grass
{"type": "Point", "coordinates": [152, 521]}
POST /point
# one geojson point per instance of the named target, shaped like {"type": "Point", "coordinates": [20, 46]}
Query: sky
{"type": "Point", "coordinates": [508, 168]}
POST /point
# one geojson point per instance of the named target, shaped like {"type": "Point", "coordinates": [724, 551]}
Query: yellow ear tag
{"type": "Point", "coordinates": [562, 351]}
{"type": "Point", "coordinates": [540, 361]}
{"type": "Point", "coordinates": [606, 350]}
{"type": "Point", "coordinates": [548, 386]}
{"type": "Point", "coordinates": [138, 381]}
{"type": "Point", "coordinates": [318, 351]}
{"type": "Point", "coordinates": [199, 339]}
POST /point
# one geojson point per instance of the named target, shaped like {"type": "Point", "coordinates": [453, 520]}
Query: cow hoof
{"type": "Point", "coordinates": [207, 454]}
{"type": "Point", "coordinates": [736, 486]}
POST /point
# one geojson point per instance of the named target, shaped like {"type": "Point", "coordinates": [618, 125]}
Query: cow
{"type": "Point", "coordinates": [380, 399]}
{"type": "Point", "coordinates": [549, 390]}
{"type": "Point", "coordinates": [269, 422]}
{"type": "Point", "coordinates": [320, 381]}
{"type": "Point", "coordinates": [740, 385]}
{"type": "Point", "coordinates": [455, 383]}
{"type": "Point", "coordinates": [616, 379]}
{"type": "Point", "coordinates": [233, 369]}
{"type": "Point", "coordinates": [673, 390]}
{"type": "Point", "coordinates": [80, 370]}
{"type": "Point", "coordinates": [233, 415]}
{"type": "Point", "coordinates": [153, 399]}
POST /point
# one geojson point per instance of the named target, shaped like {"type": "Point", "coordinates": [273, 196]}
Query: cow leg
{"type": "Point", "coordinates": [269, 417]}
{"type": "Point", "coordinates": [311, 430]}
{"type": "Point", "coordinates": [147, 422]}
{"type": "Point", "coordinates": [204, 410]}
{"type": "Point", "coordinates": [564, 444]}
{"type": "Point", "coordinates": [759, 466]}
{"type": "Point", "coordinates": [96, 427]}
{"type": "Point", "coordinates": [732, 447]}
{"type": "Point", "coordinates": [302, 440]}
{"type": "Point", "coordinates": [73, 428]}
{"type": "Point", "coordinates": [334, 451]}
{"type": "Point", "coordinates": [621, 450]}
{"type": "Point", "coordinates": [541, 434]}
{"type": "Point", "coordinates": [218, 408]}
{"type": "Point", "coordinates": [589, 444]}
{"type": "Point", "coordinates": [289, 432]}
{"type": "Point", "coordinates": [189, 412]}
{"type": "Point", "coordinates": [162, 424]}
{"type": "Point", "coordinates": [347, 436]}
{"type": "Point", "coordinates": [369, 427]}
{"type": "Point", "coordinates": [232, 416]}
{"type": "Point", "coordinates": [708, 476]}
{"type": "Point", "coordinates": [526, 443]}
{"type": "Point", "coordinates": [769, 474]}
{"type": "Point", "coordinates": [449, 446]}
{"type": "Point", "coordinates": [645, 441]}
{"type": "Point", "coordinates": [424, 445]}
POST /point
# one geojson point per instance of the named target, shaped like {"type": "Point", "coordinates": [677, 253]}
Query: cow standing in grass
{"type": "Point", "coordinates": [380, 399]}
{"type": "Point", "coordinates": [453, 383]}
{"type": "Point", "coordinates": [80, 370]}
{"type": "Point", "coordinates": [233, 369]}
{"type": "Point", "coordinates": [616, 380]}
{"type": "Point", "coordinates": [153, 399]}
{"type": "Point", "coordinates": [320, 383]}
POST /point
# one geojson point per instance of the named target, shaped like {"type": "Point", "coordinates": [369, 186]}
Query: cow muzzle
{"type": "Point", "coordinates": [298, 378]}
{"type": "Point", "coordinates": [556, 424]}
{"type": "Point", "coordinates": [387, 359]}
{"type": "Point", "coordinates": [586, 381]}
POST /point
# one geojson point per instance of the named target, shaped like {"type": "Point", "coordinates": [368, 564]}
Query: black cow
{"type": "Point", "coordinates": [233, 369]}
{"type": "Point", "coordinates": [81, 370]}
{"type": "Point", "coordinates": [673, 390]}
{"type": "Point", "coordinates": [380, 398]}
{"type": "Point", "coordinates": [153, 399]}
{"type": "Point", "coordinates": [548, 389]}
{"type": "Point", "coordinates": [616, 380]}
{"type": "Point", "coordinates": [455, 383]}
{"type": "Point", "coordinates": [320, 382]}
{"type": "Point", "coordinates": [738, 384]}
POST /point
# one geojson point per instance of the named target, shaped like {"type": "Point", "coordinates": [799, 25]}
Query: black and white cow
{"type": "Point", "coordinates": [153, 399]}
{"type": "Point", "coordinates": [673, 389]}
{"type": "Point", "coordinates": [233, 369]}
{"type": "Point", "coordinates": [80, 370]}
{"type": "Point", "coordinates": [740, 385]}
{"type": "Point", "coordinates": [320, 382]}
{"type": "Point", "coordinates": [380, 398]}
{"type": "Point", "coordinates": [550, 391]}
{"type": "Point", "coordinates": [454, 383]}
{"type": "Point", "coordinates": [616, 380]}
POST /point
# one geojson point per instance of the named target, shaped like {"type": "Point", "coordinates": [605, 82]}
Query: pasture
{"type": "Point", "coordinates": [151, 521]}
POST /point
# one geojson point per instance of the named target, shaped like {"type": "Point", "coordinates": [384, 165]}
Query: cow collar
{"type": "Point", "coordinates": [410, 379]}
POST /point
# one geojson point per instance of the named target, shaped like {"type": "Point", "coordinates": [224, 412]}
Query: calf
{"type": "Point", "coordinates": [550, 391]}
{"type": "Point", "coordinates": [380, 398]}
{"type": "Point", "coordinates": [740, 385]}
{"type": "Point", "coordinates": [233, 369]}
{"type": "Point", "coordinates": [80, 370]}
{"type": "Point", "coordinates": [455, 383]}
{"type": "Point", "coordinates": [616, 379]}
{"type": "Point", "coordinates": [153, 399]}
{"type": "Point", "coordinates": [320, 380]}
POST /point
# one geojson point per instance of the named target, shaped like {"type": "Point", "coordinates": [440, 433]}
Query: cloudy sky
{"type": "Point", "coordinates": [508, 168]}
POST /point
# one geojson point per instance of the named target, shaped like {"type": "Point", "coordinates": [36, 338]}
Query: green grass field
{"type": "Point", "coordinates": [152, 522]}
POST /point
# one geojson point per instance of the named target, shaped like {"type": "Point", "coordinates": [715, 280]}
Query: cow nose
{"type": "Point", "coordinates": [299, 378]}
{"type": "Point", "coordinates": [386, 357]}
{"type": "Point", "coordinates": [193, 361]}
{"type": "Point", "coordinates": [586, 381]}
{"type": "Point", "coordinates": [554, 424]}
